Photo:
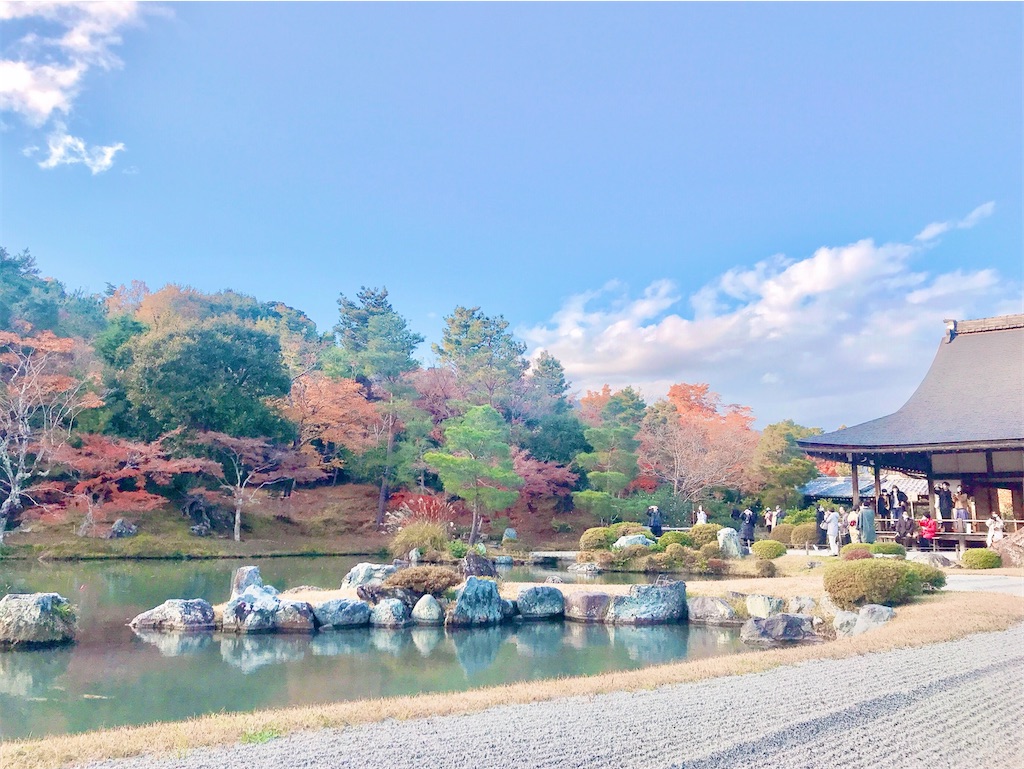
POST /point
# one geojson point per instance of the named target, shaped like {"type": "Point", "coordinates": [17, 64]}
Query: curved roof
{"type": "Point", "coordinates": [972, 396]}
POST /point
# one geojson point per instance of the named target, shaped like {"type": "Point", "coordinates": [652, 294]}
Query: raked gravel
{"type": "Point", "coordinates": [954, 705]}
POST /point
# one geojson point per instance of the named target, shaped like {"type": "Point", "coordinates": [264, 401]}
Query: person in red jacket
{"type": "Point", "coordinates": [929, 528]}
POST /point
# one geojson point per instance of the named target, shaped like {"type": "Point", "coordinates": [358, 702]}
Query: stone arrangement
{"type": "Point", "coordinates": [30, 620]}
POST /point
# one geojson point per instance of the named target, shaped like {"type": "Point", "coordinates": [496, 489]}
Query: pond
{"type": "Point", "coordinates": [113, 677]}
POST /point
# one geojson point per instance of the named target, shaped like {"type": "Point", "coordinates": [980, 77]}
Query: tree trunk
{"type": "Point", "coordinates": [385, 486]}
{"type": "Point", "coordinates": [474, 530]}
{"type": "Point", "coordinates": [11, 504]}
{"type": "Point", "coordinates": [238, 520]}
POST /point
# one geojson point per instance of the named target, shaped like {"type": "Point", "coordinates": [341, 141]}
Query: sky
{"type": "Point", "coordinates": [784, 201]}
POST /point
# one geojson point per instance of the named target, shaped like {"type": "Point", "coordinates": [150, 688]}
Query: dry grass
{"type": "Point", "coordinates": [933, 619]}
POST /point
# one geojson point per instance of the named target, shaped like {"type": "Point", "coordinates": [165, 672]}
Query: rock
{"type": "Point", "coordinates": [373, 594]}
{"type": "Point", "coordinates": [414, 556]}
{"type": "Point", "coordinates": [122, 529]}
{"type": "Point", "coordinates": [729, 543]}
{"type": "Point", "coordinates": [364, 573]}
{"type": "Point", "coordinates": [584, 568]}
{"type": "Point", "coordinates": [633, 539]}
{"type": "Point", "coordinates": [554, 579]}
{"type": "Point", "coordinates": [475, 565]}
{"type": "Point", "coordinates": [732, 595]}
{"type": "Point", "coordinates": [503, 560]}
{"type": "Point", "coordinates": [932, 559]}
{"type": "Point", "coordinates": [36, 619]}
{"type": "Point", "coordinates": [390, 613]}
{"type": "Point", "coordinates": [764, 606]}
{"type": "Point", "coordinates": [587, 606]}
{"type": "Point", "coordinates": [871, 616]}
{"type": "Point", "coordinates": [813, 564]}
{"type": "Point", "coordinates": [509, 609]}
{"type": "Point", "coordinates": [801, 604]}
{"type": "Point", "coordinates": [844, 622]}
{"type": "Point", "coordinates": [711, 611]}
{"type": "Point", "coordinates": [477, 603]}
{"type": "Point", "coordinates": [540, 603]}
{"type": "Point", "coordinates": [188, 615]}
{"type": "Point", "coordinates": [342, 613]}
{"type": "Point", "coordinates": [480, 548]}
{"type": "Point", "coordinates": [427, 611]}
{"type": "Point", "coordinates": [510, 534]}
{"type": "Point", "coordinates": [828, 607]}
{"type": "Point", "coordinates": [1011, 548]}
{"type": "Point", "coordinates": [251, 611]}
{"type": "Point", "coordinates": [294, 617]}
{"type": "Point", "coordinates": [649, 605]}
{"type": "Point", "coordinates": [243, 577]}
{"type": "Point", "coordinates": [199, 530]}
{"type": "Point", "coordinates": [779, 629]}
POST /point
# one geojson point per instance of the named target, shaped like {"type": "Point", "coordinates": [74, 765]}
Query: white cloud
{"type": "Point", "coordinates": [42, 72]}
{"type": "Point", "coordinates": [855, 321]}
{"type": "Point", "coordinates": [935, 229]}
{"type": "Point", "coordinates": [65, 149]}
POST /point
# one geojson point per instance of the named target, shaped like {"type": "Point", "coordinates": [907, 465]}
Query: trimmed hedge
{"type": "Point", "coordinates": [767, 549]}
{"type": "Point", "coordinates": [783, 533]}
{"type": "Point", "coordinates": [851, 584]}
{"type": "Point", "coordinates": [981, 558]}
{"type": "Point", "coordinates": [804, 534]}
{"type": "Point", "coordinates": [888, 548]}
{"type": "Point", "coordinates": [930, 575]}
{"type": "Point", "coordinates": [626, 528]}
{"type": "Point", "coordinates": [675, 538]}
{"type": "Point", "coordinates": [598, 538]}
{"type": "Point", "coordinates": [855, 551]}
{"type": "Point", "coordinates": [710, 550]}
{"type": "Point", "coordinates": [704, 533]}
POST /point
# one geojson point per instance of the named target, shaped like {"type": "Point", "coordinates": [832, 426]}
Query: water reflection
{"type": "Point", "coordinates": [176, 644]}
{"type": "Point", "coordinates": [249, 653]}
{"type": "Point", "coordinates": [539, 639]}
{"type": "Point", "coordinates": [426, 639]}
{"type": "Point", "coordinates": [334, 643]}
{"type": "Point", "coordinates": [477, 649]}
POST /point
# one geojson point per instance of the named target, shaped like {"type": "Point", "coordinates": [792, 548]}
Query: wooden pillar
{"type": "Point", "coordinates": [855, 482]}
{"type": "Point", "coordinates": [1017, 500]}
{"type": "Point", "coordinates": [878, 493]}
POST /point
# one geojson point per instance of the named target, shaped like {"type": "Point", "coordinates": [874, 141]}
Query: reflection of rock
{"type": "Point", "coordinates": [33, 673]}
{"type": "Point", "coordinates": [252, 652]}
{"type": "Point", "coordinates": [365, 573]}
{"type": "Point", "coordinates": [190, 615]}
{"type": "Point", "coordinates": [779, 629]}
{"type": "Point", "coordinates": [541, 603]}
{"type": "Point", "coordinates": [390, 640]}
{"type": "Point", "coordinates": [342, 612]}
{"type": "Point", "coordinates": [649, 604]}
{"type": "Point", "coordinates": [584, 636]}
{"type": "Point", "coordinates": [337, 643]}
{"type": "Point", "coordinates": [426, 639]}
{"type": "Point", "coordinates": [658, 643]}
{"type": "Point", "coordinates": [36, 619]}
{"type": "Point", "coordinates": [711, 611]}
{"type": "Point", "coordinates": [175, 643]}
{"type": "Point", "coordinates": [477, 648]}
{"type": "Point", "coordinates": [478, 603]}
{"type": "Point", "coordinates": [539, 639]}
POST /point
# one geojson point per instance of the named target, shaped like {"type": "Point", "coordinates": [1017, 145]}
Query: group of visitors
{"type": "Point", "coordinates": [836, 527]}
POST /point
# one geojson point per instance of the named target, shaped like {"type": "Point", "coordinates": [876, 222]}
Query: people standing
{"type": "Point", "coordinates": [654, 520]}
{"type": "Point", "coordinates": [961, 510]}
{"type": "Point", "coordinates": [866, 523]}
{"type": "Point", "coordinates": [819, 518]}
{"type": "Point", "coordinates": [702, 517]}
{"type": "Point", "coordinates": [831, 527]}
{"type": "Point", "coordinates": [844, 526]}
{"type": "Point", "coordinates": [852, 526]}
{"type": "Point", "coordinates": [995, 528]}
{"type": "Point", "coordinates": [943, 504]}
{"type": "Point", "coordinates": [882, 509]}
{"type": "Point", "coordinates": [897, 501]}
{"type": "Point", "coordinates": [747, 520]}
{"type": "Point", "coordinates": [769, 519]}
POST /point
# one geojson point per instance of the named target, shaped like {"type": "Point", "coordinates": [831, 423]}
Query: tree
{"type": "Point", "coordinates": [476, 464]}
{"type": "Point", "coordinates": [374, 341]}
{"type": "Point", "coordinates": [39, 400]}
{"type": "Point", "coordinates": [541, 480]}
{"type": "Point", "coordinates": [557, 438]}
{"type": "Point", "coordinates": [779, 465]}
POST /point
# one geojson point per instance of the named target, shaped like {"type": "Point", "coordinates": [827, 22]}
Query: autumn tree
{"type": "Point", "coordinates": [541, 480]}
{"type": "Point", "coordinates": [39, 400]}
{"type": "Point", "coordinates": [476, 464]}
{"type": "Point", "coordinates": [592, 405]}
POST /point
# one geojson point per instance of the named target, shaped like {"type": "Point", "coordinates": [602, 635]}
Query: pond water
{"type": "Point", "coordinates": [113, 677]}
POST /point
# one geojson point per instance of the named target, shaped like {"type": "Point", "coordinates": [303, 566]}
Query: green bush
{"type": "Point", "coordinates": [767, 549]}
{"type": "Point", "coordinates": [628, 528]}
{"type": "Point", "coordinates": [704, 533]}
{"type": "Point", "coordinates": [764, 568]}
{"type": "Point", "coordinates": [862, 546]}
{"type": "Point", "coordinates": [783, 532]}
{"type": "Point", "coordinates": [598, 538]}
{"type": "Point", "coordinates": [675, 538]}
{"type": "Point", "coordinates": [458, 548]}
{"type": "Point", "coordinates": [981, 558]}
{"type": "Point", "coordinates": [796, 517]}
{"type": "Point", "coordinates": [856, 555]}
{"type": "Point", "coordinates": [710, 550]}
{"type": "Point", "coordinates": [804, 534]}
{"type": "Point", "coordinates": [425, 579]}
{"type": "Point", "coordinates": [419, 534]}
{"type": "Point", "coordinates": [929, 575]}
{"type": "Point", "coordinates": [623, 556]}
{"type": "Point", "coordinates": [888, 548]}
{"type": "Point", "coordinates": [851, 584]}
{"type": "Point", "coordinates": [676, 552]}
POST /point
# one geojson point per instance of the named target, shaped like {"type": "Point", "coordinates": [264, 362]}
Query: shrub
{"type": "Point", "coordinates": [981, 558]}
{"type": "Point", "coordinates": [796, 517]}
{"type": "Point", "coordinates": [421, 534]}
{"type": "Point", "coordinates": [711, 550]}
{"type": "Point", "coordinates": [627, 528]}
{"type": "Point", "coordinates": [657, 562]}
{"type": "Point", "coordinates": [675, 538]}
{"type": "Point", "coordinates": [598, 538]}
{"type": "Point", "coordinates": [804, 534]}
{"type": "Point", "coordinates": [676, 552]}
{"type": "Point", "coordinates": [703, 533]}
{"type": "Point", "coordinates": [458, 548]}
{"type": "Point", "coordinates": [623, 556]}
{"type": "Point", "coordinates": [764, 568]}
{"type": "Point", "coordinates": [783, 532]}
{"type": "Point", "coordinates": [425, 579]}
{"type": "Point", "coordinates": [421, 508]}
{"type": "Point", "coordinates": [888, 548]}
{"type": "Point", "coordinates": [717, 566]}
{"type": "Point", "coordinates": [560, 527]}
{"type": "Point", "coordinates": [767, 549]}
{"type": "Point", "coordinates": [856, 555]}
{"type": "Point", "coordinates": [604, 558]}
{"type": "Point", "coordinates": [855, 546]}
{"type": "Point", "coordinates": [929, 575]}
{"type": "Point", "coordinates": [851, 584]}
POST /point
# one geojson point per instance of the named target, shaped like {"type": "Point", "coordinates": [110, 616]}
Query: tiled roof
{"type": "Point", "coordinates": [841, 487]}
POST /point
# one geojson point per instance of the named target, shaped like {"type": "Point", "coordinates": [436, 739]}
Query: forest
{"type": "Point", "coordinates": [199, 403]}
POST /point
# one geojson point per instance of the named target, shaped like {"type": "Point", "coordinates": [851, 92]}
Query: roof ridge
{"type": "Point", "coordinates": [996, 323]}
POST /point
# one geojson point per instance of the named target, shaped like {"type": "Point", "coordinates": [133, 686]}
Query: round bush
{"type": "Point", "coordinates": [981, 558]}
{"type": "Point", "coordinates": [675, 538]}
{"type": "Point", "coordinates": [764, 568]}
{"type": "Point", "coordinates": [598, 538]}
{"type": "Point", "coordinates": [804, 534]}
{"type": "Point", "coordinates": [767, 549]}
{"type": "Point", "coordinates": [856, 555]}
{"type": "Point", "coordinates": [425, 579]}
{"type": "Point", "coordinates": [703, 533]}
{"type": "Point", "coordinates": [929, 575]}
{"type": "Point", "coordinates": [862, 546]}
{"type": "Point", "coordinates": [783, 532]}
{"type": "Point", "coordinates": [888, 548]}
{"type": "Point", "coordinates": [458, 548]}
{"type": "Point", "coordinates": [423, 535]}
{"type": "Point", "coordinates": [717, 566]}
{"type": "Point", "coordinates": [851, 584]}
{"type": "Point", "coordinates": [676, 552]}
{"type": "Point", "coordinates": [711, 550]}
{"type": "Point", "coordinates": [626, 528]}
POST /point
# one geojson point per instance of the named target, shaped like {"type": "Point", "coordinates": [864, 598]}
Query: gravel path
{"type": "Point", "coordinates": [994, 583]}
{"type": "Point", "coordinates": [949, 706]}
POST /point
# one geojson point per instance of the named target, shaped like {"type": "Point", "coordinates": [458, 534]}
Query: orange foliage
{"type": "Point", "coordinates": [592, 404]}
{"type": "Point", "coordinates": [330, 411]}
{"type": "Point", "coordinates": [171, 305]}
{"type": "Point", "coordinates": [126, 300]}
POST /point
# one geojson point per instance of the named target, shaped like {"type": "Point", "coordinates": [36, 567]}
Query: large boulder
{"type": "Point", "coordinates": [704, 610]}
{"type": "Point", "coordinates": [364, 573]}
{"type": "Point", "coordinates": [36, 619]}
{"type": "Point", "coordinates": [476, 565]}
{"type": "Point", "coordinates": [188, 615]}
{"type": "Point", "coordinates": [649, 605]}
{"type": "Point", "coordinates": [844, 622]}
{"type": "Point", "coordinates": [827, 606]}
{"type": "Point", "coordinates": [1011, 548]}
{"type": "Point", "coordinates": [587, 606]}
{"type": "Point", "coordinates": [541, 603]}
{"type": "Point", "coordinates": [871, 616]}
{"type": "Point", "coordinates": [121, 529]}
{"type": "Point", "coordinates": [294, 617]}
{"type": "Point", "coordinates": [509, 535]}
{"type": "Point", "coordinates": [427, 611]}
{"type": "Point", "coordinates": [252, 611]}
{"type": "Point", "coordinates": [244, 577]}
{"type": "Point", "coordinates": [937, 560]}
{"type": "Point", "coordinates": [633, 539]}
{"type": "Point", "coordinates": [390, 613]}
{"type": "Point", "coordinates": [342, 613]}
{"type": "Point", "coordinates": [780, 629]}
{"type": "Point", "coordinates": [729, 543]}
{"type": "Point", "coordinates": [764, 606]}
{"type": "Point", "coordinates": [476, 603]}
{"type": "Point", "coordinates": [801, 604]}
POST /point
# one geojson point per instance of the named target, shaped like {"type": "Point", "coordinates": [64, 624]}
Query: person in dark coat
{"type": "Point", "coordinates": [819, 518]}
{"type": "Point", "coordinates": [747, 520]}
{"type": "Point", "coordinates": [654, 520]}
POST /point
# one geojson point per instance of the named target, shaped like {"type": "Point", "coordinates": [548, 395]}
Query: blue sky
{"type": "Point", "coordinates": [781, 200]}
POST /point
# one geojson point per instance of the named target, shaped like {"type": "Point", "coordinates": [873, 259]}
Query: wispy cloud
{"type": "Point", "coordinates": [858, 322]}
{"type": "Point", "coordinates": [935, 229]}
{"type": "Point", "coordinates": [42, 72]}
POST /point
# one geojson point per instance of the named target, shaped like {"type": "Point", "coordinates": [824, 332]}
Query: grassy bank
{"type": "Point", "coordinates": [932, 619]}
